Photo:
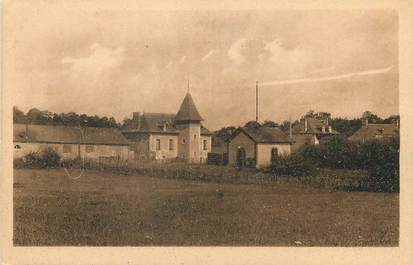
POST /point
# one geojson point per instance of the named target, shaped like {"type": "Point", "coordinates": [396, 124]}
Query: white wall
{"type": "Point", "coordinates": [189, 142]}
{"type": "Point", "coordinates": [264, 152]}
{"type": "Point", "coordinates": [164, 152]}
{"type": "Point", "coordinates": [204, 153]}
{"type": "Point", "coordinates": [98, 150]}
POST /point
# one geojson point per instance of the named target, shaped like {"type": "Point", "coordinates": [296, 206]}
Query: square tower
{"type": "Point", "coordinates": [188, 122]}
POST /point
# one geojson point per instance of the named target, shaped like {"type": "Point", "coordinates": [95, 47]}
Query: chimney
{"type": "Point", "coordinates": [365, 122]}
{"type": "Point", "coordinates": [136, 120]}
{"type": "Point", "coordinates": [305, 125]}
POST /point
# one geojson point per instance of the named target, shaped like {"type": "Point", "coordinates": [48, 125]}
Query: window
{"type": "Point", "coordinates": [183, 141]}
{"type": "Point", "coordinates": [194, 136]}
{"type": "Point", "coordinates": [171, 144]}
{"type": "Point", "coordinates": [158, 144]}
{"type": "Point", "coordinates": [67, 148]}
{"type": "Point", "coordinates": [205, 144]}
{"type": "Point", "coordinates": [90, 148]}
{"type": "Point", "coordinates": [17, 146]}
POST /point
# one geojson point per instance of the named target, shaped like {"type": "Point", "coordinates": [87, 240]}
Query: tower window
{"type": "Point", "coordinates": [171, 144]}
{"type": "Point", "coordinates": [158, 144]}
{"type": "Point", "coordinates": [183, 141]}
{"type": "Point", "coordinates": [205, 144]}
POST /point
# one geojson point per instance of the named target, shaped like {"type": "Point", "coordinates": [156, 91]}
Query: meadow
{"type": "Point", "coordinates": [105, 208]}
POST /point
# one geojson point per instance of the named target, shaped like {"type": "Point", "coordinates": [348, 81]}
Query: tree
{"type": "Point", "coordinates": [372, 118]}
{"type": "Point", "coordinates": [252, 124]}
{"type": "Point", "coordinates": [270, 124]}
{"type": "Point", "coordinates": [18, 115]}
{"type": "Point", "coordinates": [225, 133]}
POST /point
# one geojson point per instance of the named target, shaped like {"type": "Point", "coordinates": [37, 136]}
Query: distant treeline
{"type": "Point", "coordinates": [346, 127]}
{"type": "Point", "coordinates": [36, 116]}
{"type": "Point", "coordinates": [343, 125]}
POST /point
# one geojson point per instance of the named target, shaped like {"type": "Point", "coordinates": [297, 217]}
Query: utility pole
{"type": "Point", "coordinates": [256, 101]}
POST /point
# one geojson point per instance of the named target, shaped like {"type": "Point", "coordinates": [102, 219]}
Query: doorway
{"type": "Point", "coordinates": [240, 157]}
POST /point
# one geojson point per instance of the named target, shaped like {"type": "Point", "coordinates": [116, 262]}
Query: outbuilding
{"type": "Point", "coordinates": [70, 142]}
{"type": "Point", "coordinates": [257, 146]}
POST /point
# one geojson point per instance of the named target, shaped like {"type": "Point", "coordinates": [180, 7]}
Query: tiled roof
{"type": "Point", "coordinates": [67, 134]}
{"type": "Point", "coordinates": [157, 122]}
{"type": "Point", "coordinates": [188, 111]}
{"type": "Point", "coordinates": [372, 131]}
{"type": "Point", "coordinates": [263, 134]}
{"type": "Point", "coordinates": [314, 126]}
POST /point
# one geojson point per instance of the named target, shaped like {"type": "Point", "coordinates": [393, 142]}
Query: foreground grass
{"type": "Point", "coordinates": [105, 209]}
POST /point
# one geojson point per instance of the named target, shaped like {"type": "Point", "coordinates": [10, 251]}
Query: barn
{"type": "Point", "coordinates": [257, 146]}
{"type": "Point", "coordinates": [70, 142]}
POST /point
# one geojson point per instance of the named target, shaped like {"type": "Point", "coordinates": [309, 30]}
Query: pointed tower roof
{"type": "Point", "coordinates": [188, 111]}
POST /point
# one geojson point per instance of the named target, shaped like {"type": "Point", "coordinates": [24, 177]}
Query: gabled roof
{"type": "Point", "coordinates": [205, 131]}
{"type": "Point", "coordinates": [188, 111]}
{"type": "Point", "coordinates": [314, 126]}
{"type": "Point", "coordinates": [373, 131]}
{"type": "Point", "coordinates": [263, 134]}
{"type": "Point", "coordinates": [67, 134]}
{"type": "Point", "coordinates": [159, 123]}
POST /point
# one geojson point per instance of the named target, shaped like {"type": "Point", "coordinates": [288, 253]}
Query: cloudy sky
{"type": "Point", "coordinates": [114, 62]}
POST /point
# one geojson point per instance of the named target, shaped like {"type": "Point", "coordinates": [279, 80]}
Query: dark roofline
{"type": "Point", "coordinates": [240, 129]}
{"type": "Point", "coordinates": [149, 132]}
{"type": "Point", "coordinates": [60, 142]}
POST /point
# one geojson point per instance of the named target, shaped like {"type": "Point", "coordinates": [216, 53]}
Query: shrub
{"type": "Point", "coordinates": [382, 162]}
{"type": "Point", "coordinates": [46, 158]}
{"type": "Point", "coordinates": [292, 165]}
{"type": "Point", "coordinates": [380, 158]}
{"type": "Point", "coordinates": [50, 158]}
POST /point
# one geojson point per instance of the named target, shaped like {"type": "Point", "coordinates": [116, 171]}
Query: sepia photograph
{"type": "Point", "coordinates": [136, 127]}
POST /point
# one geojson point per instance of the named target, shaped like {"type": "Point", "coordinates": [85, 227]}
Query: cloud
{"type": "Point", "coordinates": [209, 54]}
{"type": "Point", "coordinates": [100, 59]}
{"type": "Point", "coordinates": [245, 51]}
{"type": "Point", "coordinates": [169, 65]}
{"type": "Point", "coordinates": [183, 59]}
{"type": "Point", "coordinates": [329, 78]}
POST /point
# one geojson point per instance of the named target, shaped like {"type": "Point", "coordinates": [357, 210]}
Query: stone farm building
{"type": "Point", "coordinates": [163, 136]}
{"type": "Point", "coordinates": [257, 146]}
{"type": "Point", "coordinates": [70, 142]}
{"type": "Point", "coordinates": [311, 131]}
{"type": "Point", "coordinates": [375, 131]}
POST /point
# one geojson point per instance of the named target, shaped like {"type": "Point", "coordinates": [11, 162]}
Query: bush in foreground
{"type": "Point", "coordinates": [44, 159]}
{"type": "Point", "coordinates": [291, 165]}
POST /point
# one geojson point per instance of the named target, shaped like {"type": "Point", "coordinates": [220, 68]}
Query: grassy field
{"type": "Point", "coordinates": [105, 209]}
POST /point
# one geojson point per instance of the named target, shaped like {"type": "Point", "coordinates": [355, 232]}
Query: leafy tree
{"type": "Point", "coordinates": [372, 118]}
{"type": "Point", "coordinates": [252, 124]}
{"type": "Point", "coordinates": [18, 115]}
{"type": "Point", "coordinates": [225, 133]}
{"type": "Point", "coordinates": [270, 124]}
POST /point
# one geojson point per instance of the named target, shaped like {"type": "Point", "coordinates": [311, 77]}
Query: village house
{"type": "Point", "coordinates": [257, 146]}
{"type": "Point", "coordinates": [70, 142]}
{"type": "Point", "coordinates": [311, 131]}
{"type": "Point", "coordinates": [375, 131]}
{"type": "Point", "coordinates": [163, 136]}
